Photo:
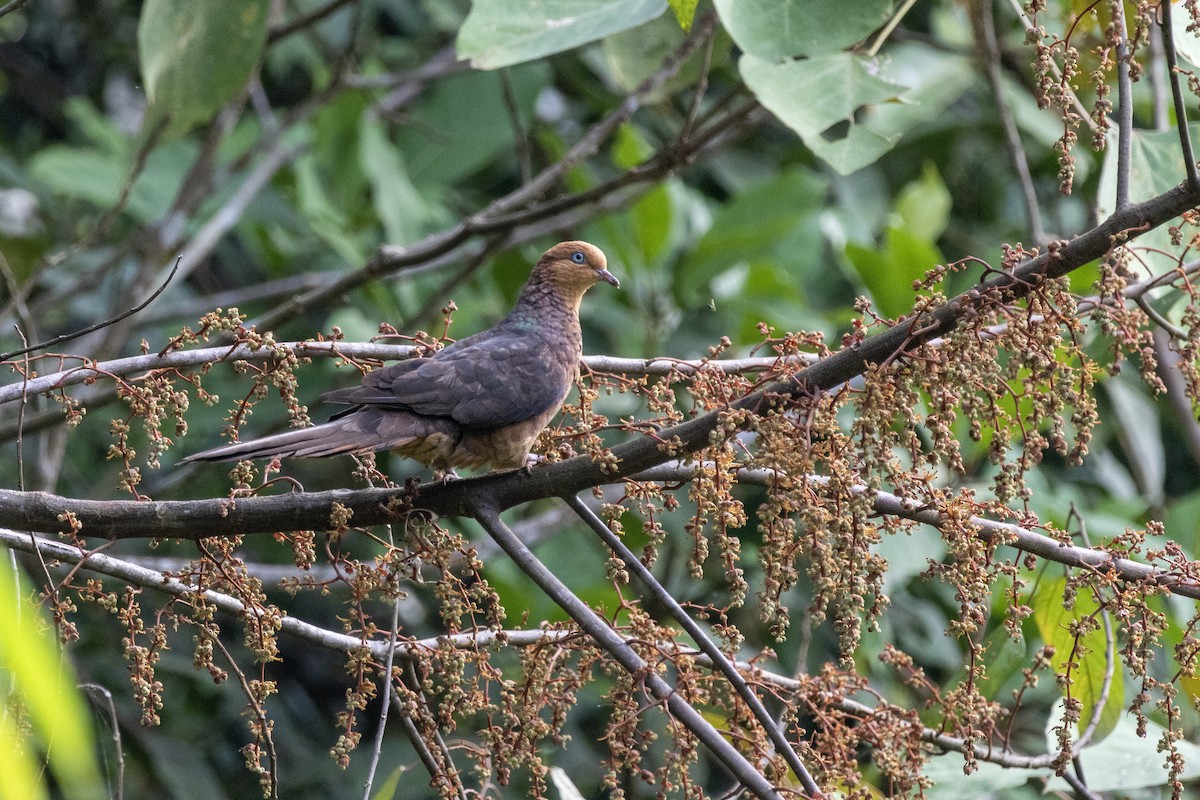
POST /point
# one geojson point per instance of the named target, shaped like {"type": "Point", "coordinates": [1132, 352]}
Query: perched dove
{"type": "Point", "coordinates": [479, 402]}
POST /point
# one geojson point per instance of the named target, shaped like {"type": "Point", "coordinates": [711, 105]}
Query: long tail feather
{"type": "Point", "coordinates": [329, 439]}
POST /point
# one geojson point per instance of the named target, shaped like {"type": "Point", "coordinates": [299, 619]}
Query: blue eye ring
{"type": "Point", "coordinates": [578, 257]}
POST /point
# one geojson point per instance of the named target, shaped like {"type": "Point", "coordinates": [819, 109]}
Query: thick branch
{"type": "Point", "coordinates": [302, 511]}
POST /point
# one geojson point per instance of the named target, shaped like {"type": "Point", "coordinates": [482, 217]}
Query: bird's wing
{"type": "Point", "coordinates": [489, 380]}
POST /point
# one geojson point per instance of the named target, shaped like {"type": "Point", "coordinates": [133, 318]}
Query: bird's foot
{"type": "Point", "coordinates": [446, 476]}
{"type": "Point", "coordinates": [531, 461]}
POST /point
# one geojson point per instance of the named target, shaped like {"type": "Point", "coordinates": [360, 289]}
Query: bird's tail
{"type": "Point", "coordinates": [329, 439]}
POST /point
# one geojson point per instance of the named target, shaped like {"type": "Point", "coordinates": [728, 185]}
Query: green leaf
{"type": "Point", "coordinates": [1054, 623]}
{"type": "Point", "coordinates": [1136, 425]}
{"type": "Point", "coordinates": [196, 57]}
{"type": "Point", "coordinates": [387, 789]}
{"type": "Point", "coordinates": [814, 96]}
{"type": "Point", "coordinates": [987, 781]}
{"type": "Point", "coordinates": [77, 172]}
{"type": "Point", "coordinates": [850, 110]}
{"type": "Point", "coordinates": [685, 12]}
{"type": "Point", "coordinates": [754, 225]}
{"type": "Point", "coordinates": [779, 29]}
{"type": "Point", "coordinates": [653, 214]}
{"type": "Point", "coordinates": [924, 205]}
{"type": "Point", "coordinates": [97, 177]}
{"type": "Point", "coordinates": [499, 33]}
{"type": "Point", "coordinates": [1187, 43]}
{"type": "Point", "coordinates": [440, 147]}
{"type": "Point", "coordinates": [397, 202]}
{"type": "Point", "coordinates": [636, 54]}
{"type": "Point", "coordinates": [1125, 761]}
{"type": "Point", "coordinates": [888, 272]}
{"type": "Point", "coordinates": [908, 554]}
{"type": "Point", "coordinates": [30, 655]}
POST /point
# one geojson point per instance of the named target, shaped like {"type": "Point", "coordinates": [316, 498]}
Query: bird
{"type": "Point", "coordinates": [478, 402]}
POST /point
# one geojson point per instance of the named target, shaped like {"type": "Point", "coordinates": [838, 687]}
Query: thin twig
{"type": "Point", "coordinates": [990, 60]}
{"type": "Point", "coordinates": [1185, 136]}
{"type": "Point", "coordinates": [1124, 107]}
{"type": "Point", "coordinates": [264, 724]}
{"type": "Point", "coordinates": [102, 697]}
{"type": "Point", "coordinates": [520, 137]}
{"type": "Point", "coordinates": [13, 6]}
{"type": "Point", "coordinates": [1079, 787]}
{"type": "Point", "coordinates": [1176, 332]}
{"type": "Point", "coordinates": [305, 20]}
{"type": "Point", "coordinates": [88, 371]}
{"type": "Point", "coordinates": [889, 26]}
{"type": "Point", "coordinates": [66, 337]}
{"type": "Point", "coordinates": [706, 645]}
{"type": "Point", "coordinates": [377, 749]}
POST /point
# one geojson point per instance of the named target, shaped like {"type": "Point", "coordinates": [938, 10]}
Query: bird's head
{"type": "Point", "coordinates": [573, 268]}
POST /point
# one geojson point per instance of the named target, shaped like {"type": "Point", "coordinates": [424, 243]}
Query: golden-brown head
{"type": "Point", "coordinates": [572, 268]}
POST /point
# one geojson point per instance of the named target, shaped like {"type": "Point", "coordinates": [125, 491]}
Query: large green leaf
{"type": "Point", "coordinates": [1125, 761]}
{"type": "Point", "coordinates": [987, 781]}
{"type": "Point", "coordinates": [398, 204]}
{"type": "Point", "coordinates": [196, 57]}
{"type": "Point", "coordinates": [778, 29]}
{"type": "Point", "coordinates": [850, 110]}
{"type": "Point", "coordinates": [636, 54]}
{"type": "Point", "coordinates": [909, 245]}
{"type": "Point", "coordinates": [97, 177]}
{"type": "Point", "coordinates": [441, 144]}
{"type": "Point", "coordinates": [889, 271]}
{"type": "Point", "coordinates": [754, 225]}
{"type": "Point", "coordinates": [499, 33]}
{"type": "Point", "coordinates": [813, 96]}
{"type": "Point", "coordinates": [1089, 652]}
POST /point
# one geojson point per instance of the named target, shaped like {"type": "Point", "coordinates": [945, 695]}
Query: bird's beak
{"type": "Point", "coordinates": [608, 277]}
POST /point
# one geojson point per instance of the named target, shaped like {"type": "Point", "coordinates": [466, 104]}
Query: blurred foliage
{"type": "Point", "coordinates": [277, 160]}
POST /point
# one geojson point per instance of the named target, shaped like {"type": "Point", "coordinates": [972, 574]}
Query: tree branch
{"type": "Point", "coordinates": [613, 643]}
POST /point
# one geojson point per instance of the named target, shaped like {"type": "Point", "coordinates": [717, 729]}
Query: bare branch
{"type": "Point", "coordinates": [1124, 106]}
{"type": "Point", "coordinates": [604, 636]}
{"type": "Point", "coordinates": [706, 645]}
{"type": "Point", "coordinates": [175, 359]}
{"type": "Point", "coordinates": [984, 15]}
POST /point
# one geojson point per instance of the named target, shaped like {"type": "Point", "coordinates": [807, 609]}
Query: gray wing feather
{"type": "Point", "coordinates": [489, 380]}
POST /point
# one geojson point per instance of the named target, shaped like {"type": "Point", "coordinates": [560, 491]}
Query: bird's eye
{"type": "Point", "coordinates": [578, 257]}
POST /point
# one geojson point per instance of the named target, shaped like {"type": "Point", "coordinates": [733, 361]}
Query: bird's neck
{"type": "Point", "coordinates": [545, 311]}
{"type": "Point", "coordinates": [546, 301]}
